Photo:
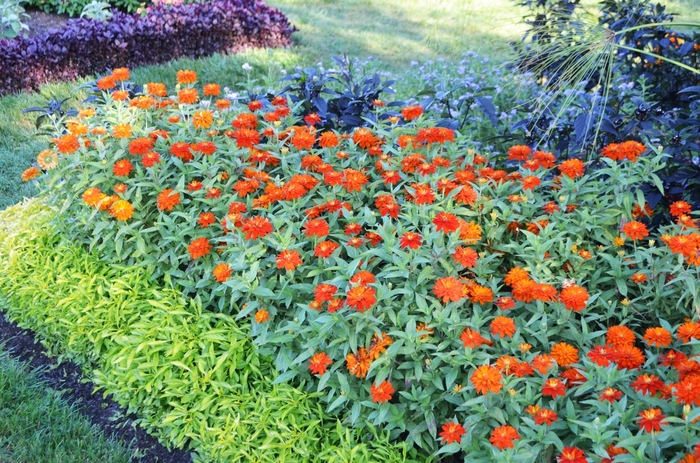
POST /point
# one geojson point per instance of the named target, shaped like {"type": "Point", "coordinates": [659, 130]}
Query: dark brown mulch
{"type": "Point", "coordinates": [40, 22]}
{"type": "Point", "coordinates": [67, 378]}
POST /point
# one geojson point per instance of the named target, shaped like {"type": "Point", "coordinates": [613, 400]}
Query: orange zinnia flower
{"type": "Point", "coordinates": [185, 76]}
{"type": "Point", "coordinates": [448, 289]}
{"type": "Point", "coordinates": [620, 336]}
{"type": "Point", "coordinates": [30, 174]}
{"type": "Point", "coordinates": [452, 432]}
{"type": "Point", "coordinates": [564, 354]}
{"type": "Point", "coordinates": [435, 135]}
{"type": "Point", "coordinates": [200, 247]}
{"type": "Point", "coordinates": [354, 180]}
{"type": "Point", "coordinates": [680, 208]}
{"type": "Point", "coordinates": [503, 327]}
{"type": "Point", "coordinates": [246, 138]}
{"type": "Point", "coordinates": [359, 364]}
{"type": "Point", "coordinates": [471, 338]}
{"type": "Point", "coordinates": [465, 256]}
{"type": "Point", "coordinates": [600, 355]}
{"type": "Point", "coordinates": [203, 119]}
{"type": "Point", "coordinates": [182, 151]}
{"type": "Point", "coordinates": [361, 298]}
{"type": "Point", "coordinates": [288, 260]}
{"type": "Point", "coordinates": [156, 89]}
{"type": "Point", "coordinates": [545, 416]}
{"type": "Point", "coordinates": [256, 227]}
{"type": "Point", "coordinates": [572, 455]}
{"type": "Point", "coordinates": [381, 392]}
{"type": "Point", "coordinates": [106, 82]}
{"type": "Point", "coordinates": [543, 362]}
{"type": "Point", "coordinates": [168, 199]}
{"type": "Point", "coordinates": [140, 146]}
{"type": "Point", "coordinates": [486, 379]}
{"type": "Point", "coordinates": [303, 140]}
{"type": "Point", "coordinates": [505, 303]}
{"type": "Point", "coordinates": [324, 292]}
{"type": "Point", "coordinates": [519, 153]}
{"type": "Point", "coordinates": [187, 96]}
{"type": "Point", "coordinates": [627, 357]}
{"type": "Point", "coordinates": [531, 182]}
{"type": "Point", "coordinates": [480, 294]}
{"type": "Point", "coordinates": [212, 90]}
{"type": "Point", "coordinates": [122, 168]}
{"type": "Point", "coordinates": [446, 222]}
{"type": "Point", "coordinates": [261, 316]}
{"type": "Point", "coordinates": [410, 113]}
{"type": "Point", "coordinates": [651, 420]}
{"type": "Point", "coordinates": [325, 248]}
{"type": "Point", "coordinates": [503, 437]}
{"type": "Point", "coordinates": [364, 138]}
{"type": "Point", "coordinates": [150, 159]}
{"type": "Point", "coordinates": [635, 230]}
{"type": "Point", "coordinates": [121, 210]}
{"type": "Point", "coordinates": [515, 275]}
{"type": "Point", "coordinates": [319, 362]}
{"type": "Point", "coordinates": [572, 168]}
{"type": "Point", "coordinates": [222, 272]}
{"type": "Point", "coordinates": [363, 278]}
{"type": "Point", "coordinates": [328, 140]}
{"type": "Point", "coordinates": [610, 394]}
{"type": "Point", "coordinates": [316, 227]}
{"type": "Point", "coordinates": [68, 144]}
{"type": "Point", "coordinates": [647, 384]}
{"type": "Point", "coordinates": [687, 392]}
{"type": "Point", "coordinates": [657, 336]}
{"type": "Point", "coordinates": [553, 388]}
{"type": "Point", "coordinates": [574, 297]}
{"type": "Point", "coordinates": [121, 74]}
{"type": "Point", "coordinates": [688, 331]}
{"type": "Point", "coordinates": [379, 345]}
{"type": "Point", "coordinates": [410, 240]}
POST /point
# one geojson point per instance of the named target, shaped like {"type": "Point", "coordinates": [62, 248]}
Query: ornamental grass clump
{"type": "Point", "coordinates": [456, 299]}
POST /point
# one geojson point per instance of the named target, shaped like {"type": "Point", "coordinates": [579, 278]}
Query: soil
{"type": "Point", "coordinates": [67, 378]}
{"type": "Point", "coordinates": [40, 22]}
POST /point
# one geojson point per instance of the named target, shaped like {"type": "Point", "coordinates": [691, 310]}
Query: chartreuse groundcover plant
{"type": "Point", "coordinates": [509, 307]}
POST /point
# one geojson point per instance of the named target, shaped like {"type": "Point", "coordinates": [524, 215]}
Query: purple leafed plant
{"type": "Point", "coordinates": [85, 46]}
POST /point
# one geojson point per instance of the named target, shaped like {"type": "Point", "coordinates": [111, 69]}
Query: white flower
{"type": "Point", "coordinates": [247, 67]}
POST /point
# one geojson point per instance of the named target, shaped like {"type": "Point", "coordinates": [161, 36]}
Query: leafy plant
{"type": "Point", "coordinates": [97, 10]}
{"type": "Point", "coordinates": [51, 117]}
{"type": "Point", "coordinates": [351, 101]}
{"type": "Point", "coordinates": [11, 16]}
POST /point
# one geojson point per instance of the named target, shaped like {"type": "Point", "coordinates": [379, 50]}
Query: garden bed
{"type": "Point", "coordinates": [294, 248]}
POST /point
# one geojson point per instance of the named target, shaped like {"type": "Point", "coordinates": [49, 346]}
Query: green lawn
{"type": "Point", "coordinates": [37, 426]}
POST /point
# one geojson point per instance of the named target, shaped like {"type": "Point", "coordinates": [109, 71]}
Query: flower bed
{"type": "Point", "coordinates": [410, 283]}
{"type": "Point", "coordinates": [164, 33]}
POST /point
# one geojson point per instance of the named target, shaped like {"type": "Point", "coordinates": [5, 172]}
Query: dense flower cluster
{"type": "Point", "coordinates": [417, 284]}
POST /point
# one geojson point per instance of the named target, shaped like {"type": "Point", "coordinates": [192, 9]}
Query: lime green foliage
{"type": "Point", "coordinates": [37, 426]}
{"type": "Point", "coordinates": [192, 376]}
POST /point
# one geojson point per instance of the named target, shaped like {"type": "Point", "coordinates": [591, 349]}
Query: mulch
{"type": "Point", "coordinates": [40, 22]}
{"type": "Point", "coordinates": [67, 378]}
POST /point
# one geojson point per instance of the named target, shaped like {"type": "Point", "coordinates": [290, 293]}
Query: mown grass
{"type": "Point", "coordinates": [37, 426]}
